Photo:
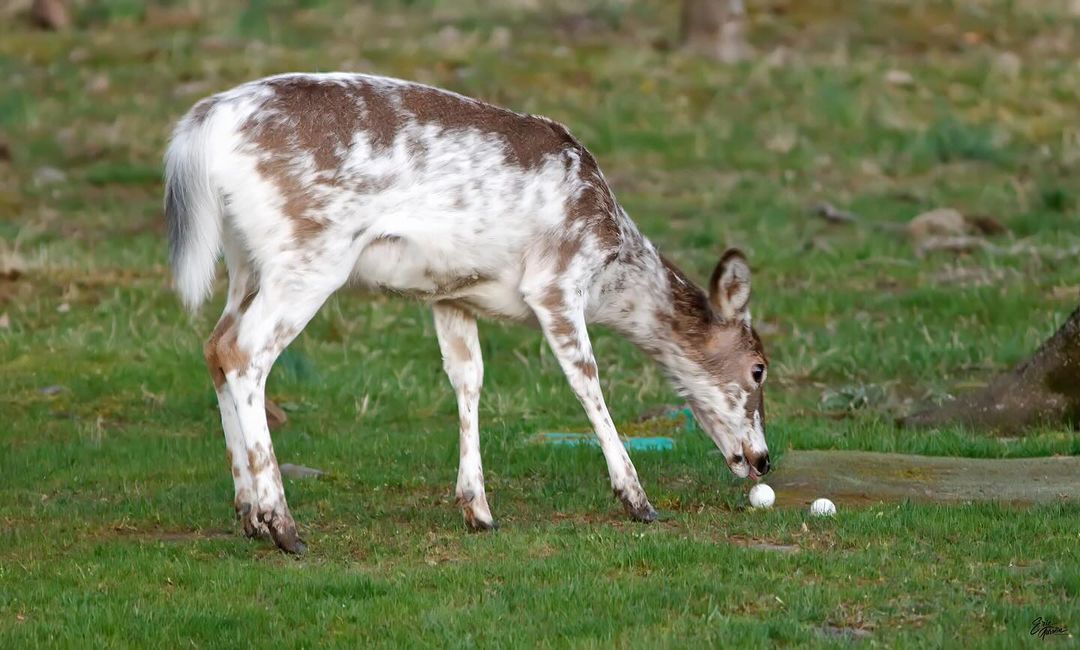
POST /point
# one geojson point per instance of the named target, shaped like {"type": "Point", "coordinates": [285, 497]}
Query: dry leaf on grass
{"type": "Point", "coordinates": [275, 416]}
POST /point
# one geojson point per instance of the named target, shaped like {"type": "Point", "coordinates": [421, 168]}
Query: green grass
{"type": "Point", "coordinates": [116, 523]}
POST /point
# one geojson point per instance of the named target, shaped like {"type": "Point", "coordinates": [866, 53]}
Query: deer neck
{"type": "Point", "coordinates": [650, 302]}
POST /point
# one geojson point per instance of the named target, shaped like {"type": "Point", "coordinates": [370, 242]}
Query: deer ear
{"type": "Point", "coordinates": [729, 288]}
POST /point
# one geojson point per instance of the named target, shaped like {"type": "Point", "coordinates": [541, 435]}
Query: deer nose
{"type": "Point", "coordinates": [762, 464]}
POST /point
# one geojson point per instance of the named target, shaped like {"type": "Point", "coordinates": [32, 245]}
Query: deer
{"type": "Point", "coordinates": [306, 183]}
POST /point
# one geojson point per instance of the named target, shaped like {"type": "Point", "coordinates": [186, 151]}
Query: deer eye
{"type": "Point", "coordinates": [758, 373]}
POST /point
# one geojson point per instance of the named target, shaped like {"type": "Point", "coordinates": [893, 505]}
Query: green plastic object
{"type": "Point", "coordinates": [683, 414]}
{"type": "Point", "coordinates": [631, 444]}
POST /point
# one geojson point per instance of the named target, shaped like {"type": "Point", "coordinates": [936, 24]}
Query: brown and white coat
{"type": "Point", "coordinates": [307, 182]}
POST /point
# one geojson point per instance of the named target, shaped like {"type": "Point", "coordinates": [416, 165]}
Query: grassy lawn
{"type": "Point", "coordinates": [116, 520]}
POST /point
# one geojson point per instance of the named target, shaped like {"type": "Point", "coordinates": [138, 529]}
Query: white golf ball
{"type": "Point", "coordinates": [822, 508]}
{"type": "Point", "coordinates": [762, 496]}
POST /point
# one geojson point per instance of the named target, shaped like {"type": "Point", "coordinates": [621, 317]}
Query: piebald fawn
{"type": "Point", "coordinates": [306, 182]}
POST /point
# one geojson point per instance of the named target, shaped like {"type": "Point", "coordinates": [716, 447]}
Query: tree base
{"type": "Point", "coordinates": [1044, 390]}
{"type": "Point", "coordinates": [1003, 407]}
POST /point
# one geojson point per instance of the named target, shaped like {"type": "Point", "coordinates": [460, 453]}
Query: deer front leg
{"type": "Point", "coordinates": [460, 347]}
{"type": "Point", "coordinates": [561, 314]}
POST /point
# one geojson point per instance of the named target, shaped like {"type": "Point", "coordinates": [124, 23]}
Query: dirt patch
{"type": "Point", "coordinates": [764, 544]}
{"type": "Point", "coordinates": [170, 536]}
{"type": "Point", "coordinates": [845, 633]}
{"type": "Point", "coordinates": [185, 536]}
{"type": "Point", "coordinates": [862, 478]}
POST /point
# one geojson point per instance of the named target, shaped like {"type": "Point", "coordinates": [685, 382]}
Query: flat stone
{"type": "Point", "coordinates": [48, 176]}
{"type": "Point", "coordinates": [288, 470]}
{"type": "Point", "coordinates": [863, 477]}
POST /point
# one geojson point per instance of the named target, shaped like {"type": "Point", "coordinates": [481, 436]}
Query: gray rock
{"type": "Point", "coordinates": [48, 176]}
{"type": "Point", "coordinates": [288, 470]}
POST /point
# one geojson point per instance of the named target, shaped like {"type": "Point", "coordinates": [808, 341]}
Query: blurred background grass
{"type": "Point", "coordinates": [886, 109]}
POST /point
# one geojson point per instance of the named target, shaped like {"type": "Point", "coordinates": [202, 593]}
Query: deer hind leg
{"type": "Point", "coordinates": [560, 310]}
{"type": "Point", "coordinates": [460, 347]}
{"type": "Point", "coordinates": [240, 284]}
{"type": "Point", "coordinates": [240, 355]}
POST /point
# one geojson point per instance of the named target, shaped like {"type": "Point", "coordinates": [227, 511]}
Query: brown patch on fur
{"type": "Point", "coordinates": [298, 199]}
{"type": "Point", "coordinates": [552, 299]}
{"type": "Point", "coordinates": [201, 110]}
{"type": "Point", "coordinates": [258, 459]}
{"type": "Point", "coordinates": [308, 117]}
{"type": "Point", "coordinates": [222, 351]}
{"type": "Point", "coordinates": [210, 354]}
{"type": "Point", "coordinates": [246, 302]}
{"type": "Point", "coordinates": [230, 355]}
{"type": "Point", "coordinates": [587, 368]}
{"type": "Point", "coordinates": [561, 326]}
{"type": "Point", "coordinates": [464, 423]}
{"type": "Point", "coordinates": [312, 116]}
{"type": "Point", "coordinates": [381, 115]}
{"type": "Point", "coordinates": [528, 139]}
{"type": "Point", "coordinates": [608, 232]}
{"type": "Point", "coordinates": [594, 206]}
{"type": "Point", "coordinates": [461, 349]}
{"type": "Point", "coordinates": [564, 254]}
{"type": "Point", "coordinates": [692, 318]}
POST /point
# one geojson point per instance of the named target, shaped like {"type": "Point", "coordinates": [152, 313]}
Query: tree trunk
{"type": "Point", "coordinates": [1044, 389]}
{"type": "Point", "coordinates": [715, 28]}
{"type": "Point", "coordinates": [50, 14]}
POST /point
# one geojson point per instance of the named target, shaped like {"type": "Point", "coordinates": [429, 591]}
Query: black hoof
{"type": "Point", "coordinates": [638, 508]}
{"type": "Point", "coordinates": [646, 515]}
{"type": "Point", "coordinates": [476, 525]}
{"type": "Point", "coordinates": [287, 539]}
